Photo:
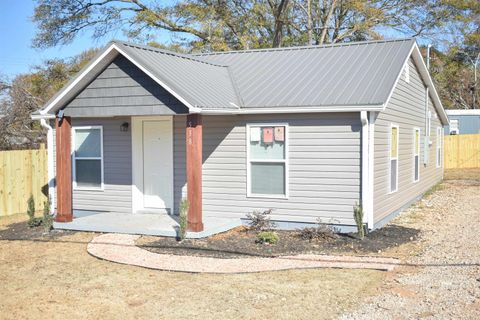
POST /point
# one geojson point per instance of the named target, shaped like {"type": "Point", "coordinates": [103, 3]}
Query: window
{"type": "Point", "coordinates": [416, 154]}
{"type": "Point", "coordinates": [88, 157]}
{"type": "Point", "coordinates": [267, 167]}
{"type": "Point", "coordinates": [393, 158]}
{"type": "Point", "coordinates": [407, 73]}
{"type": "Point", "coordinates": [439, 147]}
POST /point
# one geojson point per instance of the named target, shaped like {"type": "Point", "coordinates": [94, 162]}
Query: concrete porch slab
{"type": "Point", "coordinates": [143, 224]}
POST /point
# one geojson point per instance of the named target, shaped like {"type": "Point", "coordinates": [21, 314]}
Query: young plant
{"type": "Point", "coordinates": [260, 221]}
{"type": "Point", "coordinates": [270, 237]}
{"type": "Point", "coordinates": [320, 231]}
{"type": "Point", "coordinates": [32, 221]}
{"type": "Point", "coordinates": [47, 217]}
{"type": "Point", "coordinates": [183, 219]}
{"type": "Point", "coordinates": [358, 216]}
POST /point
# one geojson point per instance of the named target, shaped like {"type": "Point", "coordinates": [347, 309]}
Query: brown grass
{"type": "Point", "coordinates": [462, 174]}
{"type": "Point", "coordinates": [57, 278]}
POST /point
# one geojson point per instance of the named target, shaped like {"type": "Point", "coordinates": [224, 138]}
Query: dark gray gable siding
{"type": "Point", "coordinates": [122, 89]}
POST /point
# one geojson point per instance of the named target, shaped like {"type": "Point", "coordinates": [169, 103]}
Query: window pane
{"type": "Point", "coordinates": [87, 143]}
{"type": "Point", "coordinates": [267, 142]}
{"type": "Point", "coordinates": [393, 175]}
{"type": "Point", "coordinates": [417, 158]}
{"type": "Point", "coordinates": [394, 142]}
{"type": "Point", "coordinates": [268, 178]}
{"type": "Point", "coordinates": [88, 173]}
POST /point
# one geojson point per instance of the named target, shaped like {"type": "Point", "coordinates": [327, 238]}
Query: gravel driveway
{"type": "Point", "coordinates": [444, 279]}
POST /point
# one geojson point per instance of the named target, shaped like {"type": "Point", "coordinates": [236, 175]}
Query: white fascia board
{"type": "Point", "coordinates": [294, 110]}
{"type": "Point", "coordinates": [463, 112]}
{"type": "Point", "coordinates": [42, 116]}
{"type": "Point", "coordinates": [84, 73]}
{"type": "Point", "coordinates": [70, 86]}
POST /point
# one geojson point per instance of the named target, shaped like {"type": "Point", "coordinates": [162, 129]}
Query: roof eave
{"type": "Point", "coordinates": [296, 109]}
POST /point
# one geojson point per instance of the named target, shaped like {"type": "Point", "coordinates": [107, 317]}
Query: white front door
{"type": "Point", "coordinates": [152, 164]}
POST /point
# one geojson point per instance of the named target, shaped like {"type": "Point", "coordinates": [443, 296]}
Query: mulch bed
{"type": "Point", "coordinates": [240, 242]}
{"type": "Point", "coordinates": [21, 231]}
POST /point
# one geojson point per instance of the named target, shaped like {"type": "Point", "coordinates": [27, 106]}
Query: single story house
{"type": "Point", "coordinates": [306, 131]}
{"type": "Point", "coordinates": [463, 121]}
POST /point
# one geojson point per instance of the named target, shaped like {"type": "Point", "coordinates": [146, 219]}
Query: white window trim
{"type": "Point", "coordinates": [415, 130]}
{"type": "Point", "coordinates": [74, 158]}
{"type": "Point", "coordinates": [393, 125]}
{"type": "Point", "coordinates": [286, 161]}
{"type": "Point", "coordinates": [439, 147]}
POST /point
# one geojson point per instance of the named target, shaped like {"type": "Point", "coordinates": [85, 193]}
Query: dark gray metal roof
{"type": "Point", "coordinates": [351, 74]}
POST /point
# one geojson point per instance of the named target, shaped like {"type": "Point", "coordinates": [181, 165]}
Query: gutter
{"type": "Point", "coordinates": [51, 174]}
{"type": "Point", "coordinates": [367, 168]}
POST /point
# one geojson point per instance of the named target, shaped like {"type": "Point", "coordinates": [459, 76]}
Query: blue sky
{"type": "Point", "coordinates": [16, 34]}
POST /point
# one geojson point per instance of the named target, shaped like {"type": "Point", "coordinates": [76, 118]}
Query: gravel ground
{"type": "Point", "coordinates": [443, 280]}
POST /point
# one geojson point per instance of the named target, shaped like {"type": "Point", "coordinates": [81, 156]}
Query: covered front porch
{"type": "Point", "coordinates": [137, 194]}
{"type": "Point", "coordinates": [143, 224]}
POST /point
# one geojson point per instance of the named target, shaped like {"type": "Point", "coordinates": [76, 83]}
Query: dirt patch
{"type": "Point", "coordinates": [21, 231]}
{"type": "Point", "coordinates": [57, 278]}
{"type": "Point", "coordinates": [16, 228]}
{"type": "Point", "coordinates": [241, 242]}
{"type": "Point", "coordinates": [463, 174]}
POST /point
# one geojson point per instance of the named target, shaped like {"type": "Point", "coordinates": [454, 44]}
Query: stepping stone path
{"type": "Point", "coordinates": [121, 248]}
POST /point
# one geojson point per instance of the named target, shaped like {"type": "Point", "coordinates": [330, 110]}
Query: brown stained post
{"type": "Point", "coordinates": [194, 172]}
{"type": "Point", "coordinates": [64, 170]}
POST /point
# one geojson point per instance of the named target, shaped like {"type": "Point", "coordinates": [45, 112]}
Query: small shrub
{"type": "Point", "coordinates": [31, 207]}
{"type": "Point", "coordinates": [32, 221]}
{"type": "Point", "coordinates": [183, 223]}
{"type": "Point", "coordinates": [47, 217]}
{"type": "Point", "coordinates": [270, 237]}
{"type": "Point", "coordinates": [320, 231]}
{"type": "Point", "coordinates": [260, 221]}
{"type": "Point", "coordinates": [358, 216]}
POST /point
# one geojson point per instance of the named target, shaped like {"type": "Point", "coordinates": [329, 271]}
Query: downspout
{"type": "Point", "coordinates": [364, 177]}
{"type": "Point", "coordinates": [51, 174]}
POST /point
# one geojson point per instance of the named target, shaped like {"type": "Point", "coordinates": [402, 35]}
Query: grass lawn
{"type": "Point", "coordinates": [56, 278]}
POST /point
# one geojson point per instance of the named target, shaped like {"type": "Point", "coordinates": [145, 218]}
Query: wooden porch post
{"type": "Point", "coordinates": [194, 171]}
{"type": "Point", "coordinates": [63, 129]}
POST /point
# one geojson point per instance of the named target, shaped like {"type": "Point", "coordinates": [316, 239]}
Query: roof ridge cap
{"type": "Point", "coordinates": [167, 52]}
{"type": "Point", "coordinates": [342, 44]}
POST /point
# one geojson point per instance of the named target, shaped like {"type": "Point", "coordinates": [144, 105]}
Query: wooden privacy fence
{"type": "Point", "coordinates": [22, 173]}
{"type": "Point", "coordinates": [462, 151]}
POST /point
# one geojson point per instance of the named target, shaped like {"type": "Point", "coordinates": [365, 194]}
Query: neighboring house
{"type": "Point", "coordinates": [307, 131]}
{"type": "Point", "coordinates": [463, 122]}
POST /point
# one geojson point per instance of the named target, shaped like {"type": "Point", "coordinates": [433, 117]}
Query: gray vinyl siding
{"type": "Point", "coordinates": [179, 161]}
{"type": "Point", "coordinates": [117, 169]}
{"type": "Point", "coordinates": [324, 167]}
{"type": "Point", "coordinates": [407, 110]}
{"type": "Point", "coordinates": [122, 89]}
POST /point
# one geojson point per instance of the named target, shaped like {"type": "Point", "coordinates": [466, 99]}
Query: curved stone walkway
{"type": "Point", "coordinates": [121, 248]}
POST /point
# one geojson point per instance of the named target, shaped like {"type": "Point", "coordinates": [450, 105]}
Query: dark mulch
{"type": "Point", "coordinates": [21, 231]}
{"type": "Point", "coordinates": [241, 242]}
